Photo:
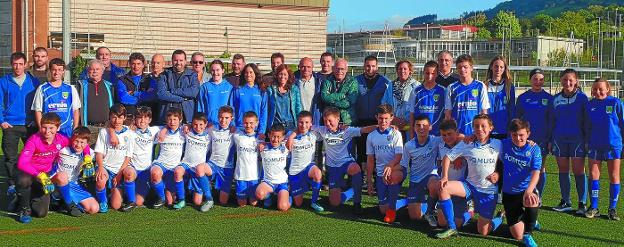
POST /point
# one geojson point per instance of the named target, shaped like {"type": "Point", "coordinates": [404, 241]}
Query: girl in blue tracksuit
{"type": "Point", "coordinates": [214, 94]}
{"type": "Point", "coordinates": [502, 96]}
{"type": "Point", "coordinates": [605, 123]}
{"type": "Point", "coordinates": [249, 96]}
{"type": "Point", "coordinates": [569, 139]}
{"type": "Point", "coordinates": [536, 107]}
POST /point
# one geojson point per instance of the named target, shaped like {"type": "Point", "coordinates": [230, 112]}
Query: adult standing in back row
{"type": "Point", "coordinates": [178, 87]}
{"type": "Point", "coordinates": [374, 89]}
{"type": "Point", "coordinates": [446, 76]}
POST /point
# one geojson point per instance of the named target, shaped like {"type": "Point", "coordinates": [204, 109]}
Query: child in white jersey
{"type": "Point", "coordinates": [72, 160]}
{"type": "Point", "coordinates": [303, 174]}
{"type": "Point", "coordinates": [194, 165]}
{"type": "Point", "coordinates": [169, 156]}
{"type": "Point", "coordinates": [220, 163]}
{"type": "Point", "coordinates": [247, 172]}
{"type": "Point", "coordinates": [384, 148]}
{"type": "Point", "coordinates": [274, 159]}
{"type": "Point", "coordinates": [112, 160]}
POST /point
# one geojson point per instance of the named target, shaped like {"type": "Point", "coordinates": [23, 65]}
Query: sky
{"type": "Point", "coordinates": [373, 14]}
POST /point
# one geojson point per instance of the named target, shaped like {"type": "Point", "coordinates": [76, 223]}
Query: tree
{"type": "Point", "coordinates": [506, 23]}
{"type": "Point", "coordinates": [477, 20]}
{"type": "Point", "coordinates": [542, 22]}
{"type": "Point", "coordinates": [574, 21]}
{"type": "Point", "coordinates": [483, 33]}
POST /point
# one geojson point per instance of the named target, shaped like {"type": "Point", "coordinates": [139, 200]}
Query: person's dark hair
{"type": "Point", "coordinates": [51, 118]}
{"type": "Point", "coordinates": [177, 52]}
{"type": "Point", "coordinates": [136, 56]}
{"type": "Point", "coordinates": [57, 62]}
{"type": "Point", "coordinates": [40, 49]}
{"type": "Point", "coordinates": [370, 58]}
{"type": "Point", "coordinates": [291, 76]}
{"type": "Point", "coordinates": [81, 132]}
{"type": "Point", "coordinates": [448, 124]}
{"type": "Point", "coordinates": [200, 116]}
{"type": "Point", "coordinates": [143, 111]}
{"type": "Point", "coordinates": [485, 117]}
{"type": "Point", "coordinates": [409, 65]}
{"type": "Point", "coordinates": [175, 112]}
{"type": "Point", "coordinates": [278, 127]}
{"type": "Point", "coordinates": [518, 124]}
{"type": "Point", "coordinates": [464, 58]}
{"type": "Point", "coordinates": [217, 61]}
{"type": "Point", "coordinates": [238, 56]}
{"type": "Point", "coordinates": [117, 109]}
{"type": "Point", "coordinates": [256, 71]}
{"type": "Point", "coordinates": [18, 55]}
{"type": "Point", "coordinates": [569, 71]}
{"type": "Point", "coordinates": [431, 64]}
{"type": "Point", "coordinates": [277, 55]}
{"type": "Point", "coordinates": [327, 54]}
{"type": "Point", "coordinates": [250, 114]}
{"type": "Point", "coordinates": [422, 117]}
{"type": "Point", "coordinates": [304, 113]}
{"type": "Point", "coordinates": [226, 109]}
{"type": "Point", "coordinates": [385, 109]}
{"type": "Point", "coordinates": [331, 111]}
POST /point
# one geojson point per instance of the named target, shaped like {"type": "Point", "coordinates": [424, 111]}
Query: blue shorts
{"type": "Point", "coordinates": [277, 187]}
{"type": "Point", "coordinates": [300, 183]}
{"type": "Point", "coordinates": [336, 175]}
{"type": "Point", "coordinates": [417, 191]}
{"type": "Point", "coordinates": [460, 205]}
{"type": "Point", "coordinates": [484, 204]}
{"type": "Point", "coordinates": [112, 175]}
{"type": "Point", "coordinates": [78, 192]}
{"type": "Point", "coordinates": [568, 150]}
{"type": "Point", "coordinates": [167, 177]}
{"type": "Point", "coordinates": [246, 189]}
{"type": "Point", "coordinates": [222, 177]}
{"type": "Point", "coordinates": [382, 188]}
{"type": "Point", "coordinates": [605, 154]}
{"type": "Point", "coordinates": [142, 182]}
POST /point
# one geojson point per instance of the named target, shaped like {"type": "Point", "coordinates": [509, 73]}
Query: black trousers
{"type": "Point", "coordinates": [10, 142]}
{"type": "Point", "coordinates": [31, 196]}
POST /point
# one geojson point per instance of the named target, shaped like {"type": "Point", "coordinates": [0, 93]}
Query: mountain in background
{"type": "Point", "coordinates": [530, 8]}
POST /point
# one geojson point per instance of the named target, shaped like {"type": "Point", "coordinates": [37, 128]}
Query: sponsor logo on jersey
{"type": "Point", "coordinates": [609, 109]}
{"type": "Point", "coordinates": [544, 101]}
{"type": "Point", "coordinates": [436, 97]}
{"type": "Point", "coordinates": [65, 95]}
{"type": "Point", "coordinates": [475, 92]}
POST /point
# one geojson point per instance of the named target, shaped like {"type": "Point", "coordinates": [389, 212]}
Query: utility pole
{"type": "Point", "coordinates": [66, 36]}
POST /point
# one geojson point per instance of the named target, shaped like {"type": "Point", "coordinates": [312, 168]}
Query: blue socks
{"type": "Point", "coordinates": [65, 193]}
{"type": "Point", "coordinates": [581, 187]}
{"type": "Point", "coordinates": [467, 216]}
{"type": "Point", "coordinates": [541, 183]}
{"type": "Point", "coordinates": [496, 222]}
{"type": "Point", "coordinates": [423, 208]}
{"type": "Point", "coordinates": [614, 193]}
{"type": "Point", "coordinates": [267, 200]}
{"type": "Point", "coordinates": [393, 194]}
{"type": "Point", "coordinates": [356, 184]}
{"type": "Point", "coordinates": [179, 187]}
{"type": "Point", "coordinates": [564, 185]}
{"type": "Point", "coordinates": [204, 183]}
{"type": "Point", "coordinates": [316, 189]}
{"type": "Point", "coordinates": [431, 203]}
{"type": "Point", "coordinates": [401, 203]}
{"type": "Point", "coordinates": [160, 190]}
{"type": "Point", "coordinates": [346, 196]}
{"type": "Point", "coordinates": [130, 189]}
{"type": "Point", "coordinates": [595, 191]}
{"type": "Point", "coordinates": [101, 196]}
{"type": "Point", "coordinates": [447, 210]}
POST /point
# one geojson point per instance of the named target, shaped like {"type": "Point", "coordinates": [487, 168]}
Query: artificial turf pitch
{"type": "Point", "coordinates": [253, 226]}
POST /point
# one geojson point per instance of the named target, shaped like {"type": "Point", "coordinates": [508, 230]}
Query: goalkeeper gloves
{"type": "Point", "coordinates": [44, 179]}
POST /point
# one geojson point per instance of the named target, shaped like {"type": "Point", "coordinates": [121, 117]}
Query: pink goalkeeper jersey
{"type": "Point", "coordinates": [37, 156]}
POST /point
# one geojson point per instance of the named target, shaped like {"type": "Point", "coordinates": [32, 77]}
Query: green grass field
{"type": "Point", "coordinates": [257, 226]}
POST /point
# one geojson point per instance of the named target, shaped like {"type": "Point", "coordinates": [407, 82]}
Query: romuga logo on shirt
{"type": "Point", "coordinates": [609, 109]}
{"type": "Point", "coordinates": [475, 92]}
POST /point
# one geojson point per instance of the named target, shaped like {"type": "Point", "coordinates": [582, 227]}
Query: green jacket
{"type": "Point", "coordinates": [342, 96]}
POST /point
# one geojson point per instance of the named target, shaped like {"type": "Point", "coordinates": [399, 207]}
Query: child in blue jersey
{"type": "Point", "coordinates": [521, 167]}
{"type": "Point", "coordinates": [501, 95]}
{"type": "Point", "coordinates": [194, 166]}
{"type": "Point", "coordinates": [569, 138]}
{"type": "Point", "coordinates": [420, 159]}
{"type": "Point", "coordinates": [480, 185]}
{"type": "Point", "coordinates": [73, 161]}
{"type": "Point", "coordinates": [112, 160]}
{"type": "Point", "coordinates": [220, 163]}
{"type": "Point", "coordinates": [58, 97]}
{"type": "Point", "coordinates": [274, 158]}
{"type": "Point", "coordinates": [536, 107]}
{"type": "Point", "coordinates": [605, 124]}
{"type": "Point", "coordinates": [303, 174]}
{"type": "Point", "coordinates": [339, 160]}
{"type": "Point", "coordinates": [428, 99]}
{"type": "Point", "coordinates": [465, 98]}
{"type": "Point", "coordinates": [137, 174]}
{"type": "Point", "coordinates": [456, 172]}
{"type": "Point", "coordinates": [214, 94]}
{"type": "Point", "coordinates": [171, 149]}
{"type": "Point", "coordinates": [250, 96]}
{"type": "Point", "coordinates": [247, 171]}
{"type": "Point", "coordinates": [384, 148]}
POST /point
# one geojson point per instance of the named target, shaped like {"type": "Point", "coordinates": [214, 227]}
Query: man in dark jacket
{"type": "Point", "coordinates": [178, 87]}
{"type": "Point", "coordinates": [135, 88]}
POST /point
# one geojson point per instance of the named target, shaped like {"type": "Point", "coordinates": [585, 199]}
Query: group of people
{"type": "Point", "coordinates": [282, 132]}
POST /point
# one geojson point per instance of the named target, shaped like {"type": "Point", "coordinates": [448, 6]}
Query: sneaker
{"type": "Point", "coordinates": [447, 234]}
{"type": "Point", "coordinates": [431, 219]}
{"type": "Point", "coordinates": [528, 240]}
{"type": "Point", "coordinates": [613, 214]}
{"type": "Point", "coordinates": [128, 207]}
{"type": "Point", "coordinates": [159, 203]}
{"type": "Point", "coordinates": [103, 207]}
{"type": "Point", "coordinates": [357, 209]}
{"type": "Point", "coordinates": [390, 216]}
{"type": "Point", "coordinates": [317, 208]}
{"type": "Point", "coordinates": [592, 212]}
{"type": "Point", "coordinates": [74, 210]}
{"type": "Point", "coordinates": [470, 206]}
{"type": "Point", "coordinates": [206, 206]}
{"type": "Point", "coordinates": [500, 213]}
{"type": "Point", "coordinates": [537, 226]}
{"type": "Point", "coordinates": [11, 198]}
{"type": "Point", "coordinates": [563, 207]}
{"type": "Point", "coordinates": [581, 209]}
{"type": "Point", "coordinates": [24, 216]}
{"type": "Point", "coordinates": [179, 204]}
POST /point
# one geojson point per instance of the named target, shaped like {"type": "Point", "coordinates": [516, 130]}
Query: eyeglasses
{"type": "Point", "coordinates": [197, 62]}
